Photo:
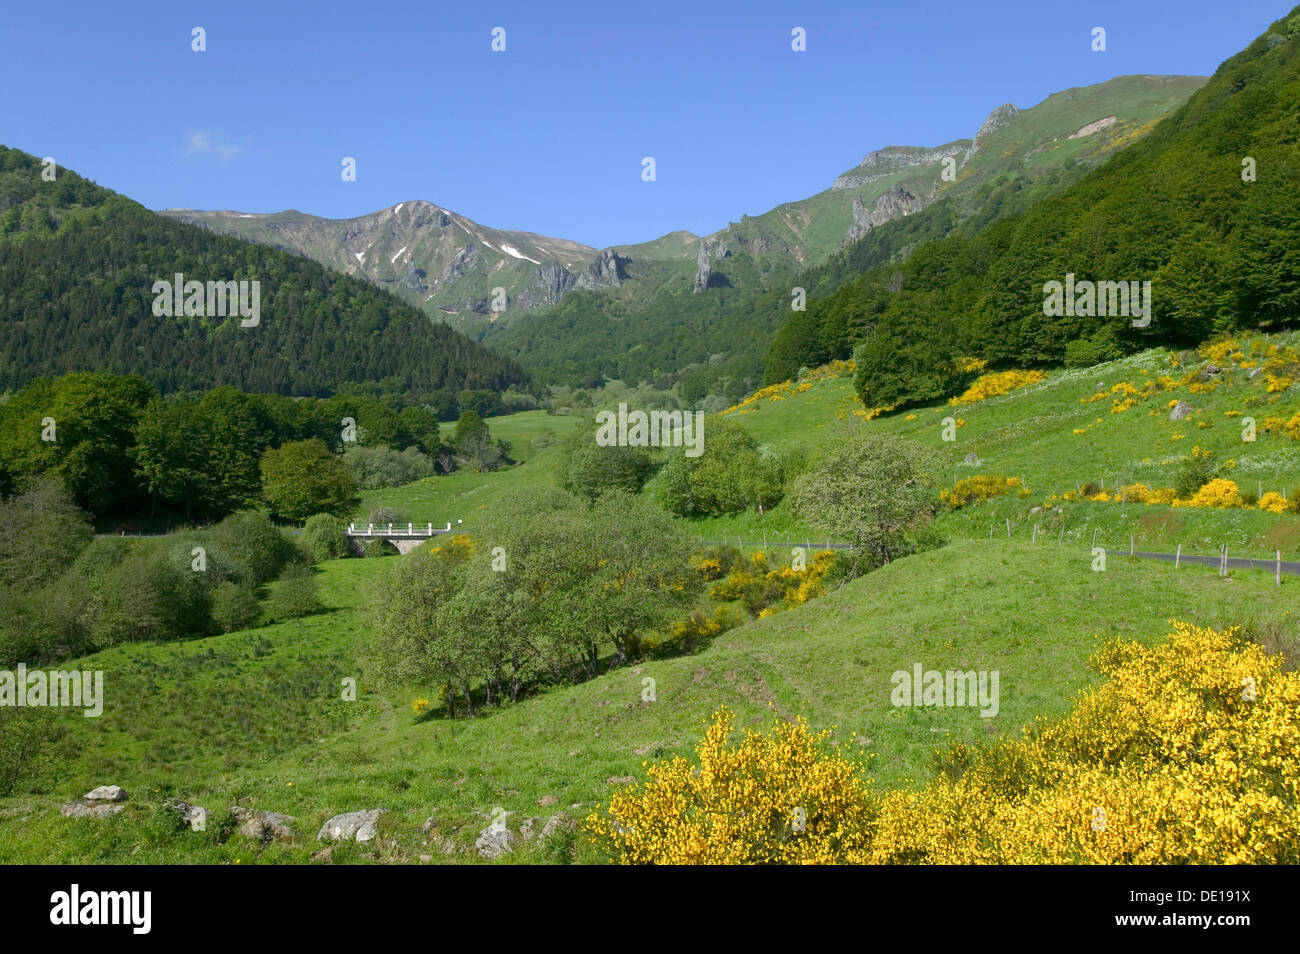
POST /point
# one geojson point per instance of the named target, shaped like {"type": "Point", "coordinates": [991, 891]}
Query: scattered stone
{"type": "Point", "coordinates": [972, 458]}
{"type": "Point", "coordinates": [555, 823]}
{"type": "Point", "coordinates": [621, 780]}
{"type": "Point", "coordinates": [265, 826]}
{"type": "Point", "coordinates": [97, 803]}
{"type": "Point", "coordinates": [546, 800]}
{"type": "Point", "coordinates": [526, 829]}
{"type": "Point", "coordinates": [449, 847]}
{"type": "Point", "coordinates": [425, 859]}
{"type": "Point", "coordinates": [1254, 372]}
{"type": "Point", "coordinates": [1180, 411]}
{"type": "Point", "coordinates": [602, 703]}
{"type": "Point", "coordinates": [430, 824]}
{"type": "Point", "coordinates": [325, 854]}
{"type": "Point", "coordinates": [193, 815]}
{"type": "Point", "coordinates": [1035, 509]}
{"type": "Point", "coordinates": [495, 840]}
{"type": "Point", "coordinates": [106, 793]}
{"type": "Point", "coordinates": [81, 808]}
{"type": "Point", "coordinates": [359, 826]}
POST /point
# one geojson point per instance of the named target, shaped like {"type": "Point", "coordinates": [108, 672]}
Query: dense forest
{"type": "Point", "coordinates": [78, 264]}
{"type": "Point", "coordinates": [1205, 208]}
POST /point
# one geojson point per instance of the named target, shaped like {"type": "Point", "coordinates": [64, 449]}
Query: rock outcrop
{"type": "Point", "coordinates": [1002, 116]}
{"type": "Point", "coordinates": [607, 271]}
{"type": "Point", "coordinates": [547, 286]}
{"type": "Point", "coordinates": [891, 159]}
{"type": "Point", "coordinates": [896, 203]}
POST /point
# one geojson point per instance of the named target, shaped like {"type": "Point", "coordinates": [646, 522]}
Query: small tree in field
{"type": "Point", "coordinates": [872, 490]}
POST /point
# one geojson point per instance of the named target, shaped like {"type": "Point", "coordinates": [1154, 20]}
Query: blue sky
{"type": "Point", "coordinates": [549, 135]}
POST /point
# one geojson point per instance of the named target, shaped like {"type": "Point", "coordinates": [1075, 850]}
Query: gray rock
{"type": "Point", "coordinates": [106, 793]}
{"type": "Point", "coordinates": [703, 269]}
{"type": "Point", "coordinates": [97, 803]}
{"type": "Point", "coordinates": [1180, 411]}
{"type": "Point", "coordinates": [555, 823]}
{"type": "Point", "coordinates": [526, 829]}
{"type": "Point", "coordinates": [359, 826]}
{"type": "Point", "coordinates": [84, 808]}
{"type": "Point", "coordinates": [194, 815]}
{"type": "Point", "coordinates": [1002, 116]}
{"type": "Point", "coordinates": [548, 284]}
{"type": "Point", "coordinates": [896, 203]}
{"type": "Point", "coordinates": [265, 826]}
{"type": "Point", "coordinates": [972, 458]}
{"type": "Point", "coordinates": [1255, 372]}
{"type": "Point", "coordinates": [493, 841]}
{"type": "Point", "coordinates": [606, 271]}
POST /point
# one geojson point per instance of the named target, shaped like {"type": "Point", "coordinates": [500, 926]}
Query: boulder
{"type": "Point", "coordinates": [106, 793]}
{"type": "Point", "coordinates": [265, 826]}
{"type": "Point", "coordinates": [972, 458]}
{"type": "Point", "coordinates": [358, 826]}
{"type": "Point", "coordinates": [97, 803]}
{"type": "Point", "coordinates": [495, 840]}
{"type": "Point", "coordinates": [547, 800]}
{"type": "Point", "coordinates": [1180, 411]}
{"type": "Point", "coordinates": [526, 829]}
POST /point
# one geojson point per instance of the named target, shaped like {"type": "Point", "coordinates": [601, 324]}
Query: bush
{"type": "Point", "coordinates": [295, 593]}
{"type": "Point", "coordinates": [325, 537]}
{"type": "Point", "coordinates": [1196, 470]}
{"type": "Point", "coordinates": [781, 797]}
{"type": "Point", "coordinates": [375, 467]}
{"type": "Point", "coordinates": [255, 544]}
{"type": "Point", "coordinates": [234, 606]}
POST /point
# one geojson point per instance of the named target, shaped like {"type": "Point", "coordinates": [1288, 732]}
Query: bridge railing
{"type": "Point", "coordinates": [395, 530]}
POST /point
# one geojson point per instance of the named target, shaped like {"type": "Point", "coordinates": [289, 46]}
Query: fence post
{"type": "Point", "coordinates": [1279, 567]}
{"type": "Point", "coordinates": [1008, 528]}
{"type": "Point", "coordinates": [1094, 538]}
{"type": "Point", "coordinates": [1060, 539]}
{"type": "Point", "coordinates": [1130, 544]}
{"type": "Point", "coordinates": [1178, 556]}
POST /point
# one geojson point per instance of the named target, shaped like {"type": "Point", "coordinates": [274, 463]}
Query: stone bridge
{"type": "Point", "coordinates": [405, 538]}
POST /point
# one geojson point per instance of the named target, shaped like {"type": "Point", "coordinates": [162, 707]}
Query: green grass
{"type": "Point", "coordinates": [1033, 616]}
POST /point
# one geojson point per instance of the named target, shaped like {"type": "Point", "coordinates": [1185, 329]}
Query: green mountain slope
{"type": "Point", "coordinates": [78, 264]}
{"type": "Point", "coordinates": [1203, 208]}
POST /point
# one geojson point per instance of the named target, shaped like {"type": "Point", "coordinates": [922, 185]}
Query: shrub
{"type": "Point", "coordinates": [378, 547]}
{"type": "Point", "coordinates": [979, 489]}
{"type": "Point", "coordinates": [384, 467]}
{"type": "Point", "coordinates": [255, 545]}
{"type": "Point", "coordinates": [295, 593]}
{"type": "Point", "coordinates": [1195, 471]}
{"type": "Point", "coordinates": [234, 606]}
{"type": "Point", "coordinates": [301, 478]}
{"type": "Point", "coordinates": [325, 537]}
{"type": "Point", "coordinates": [780, 797]}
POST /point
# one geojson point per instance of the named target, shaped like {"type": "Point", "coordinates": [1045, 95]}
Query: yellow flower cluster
{"type": "Point", "coordinates": [996, 383]}
{"type": "Point", "coordinates": [978, 489]}
{"type": "Point", "coordinates": [1218, 493]}
{"type": "Point", "coordinates": [700, 624]}
{"type": "Point", "coordinates": [779, 392]}
{"type": "Point", "coordinates": [1276, 426]}
{"type": "Point", "coordinates": [420, 706]}
{"type": "Point", "coordinates": [790, 586]}
{"type": "Point", "coordinates": [1188, 754]}
{"type": "Point", "coordinates": [780, 797]}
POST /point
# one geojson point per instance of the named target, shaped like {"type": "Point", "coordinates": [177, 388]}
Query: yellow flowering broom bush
{"type": "Point", "coordinates": [978, 489]}
{"type": "Point", "coordinates": [1189, 753]}
{"type": "Point", "coordinates": [995, 384]}
{"type": "Point", "coordinates": [780, 797]}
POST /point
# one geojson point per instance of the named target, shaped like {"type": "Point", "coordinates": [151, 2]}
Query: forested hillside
{"type": "Point", "coordinates": [1204, 208]}
{"type": "Point", "coordinates": [78, 264]}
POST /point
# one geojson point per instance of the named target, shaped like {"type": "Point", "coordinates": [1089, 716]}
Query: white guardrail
{"type": "Point", "coordinates": [394, 530]}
